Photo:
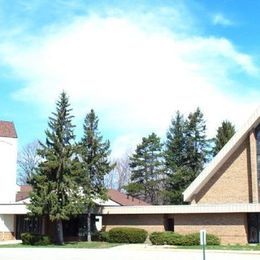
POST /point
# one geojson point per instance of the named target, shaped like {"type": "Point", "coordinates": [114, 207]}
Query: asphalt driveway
{"type": "Point", "coordinates": [119, 253]}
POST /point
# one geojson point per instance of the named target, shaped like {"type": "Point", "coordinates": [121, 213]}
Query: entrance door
{"type": "Point", "coordinates": [253, 220]}
{"type": "Point", "coordinates": [169, 224]}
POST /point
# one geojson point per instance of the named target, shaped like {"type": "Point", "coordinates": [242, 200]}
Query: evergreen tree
{"type": "Point", "coordinates": [224, 133]}
{"type": "Point", "coordinates": [197, 144]}
{"type": "Point", "coordinates": [175, 154]}
{"type": "Point", "coordinates": [186, 151]}
{"type": "Point", "coordinates": [94, 153]}
{"type": "Point", "coordinates": [147, 168]}
{"type": "Point", "coordinates": [176, 183]}
{"type": "Point", "coordinates": [55, 188]}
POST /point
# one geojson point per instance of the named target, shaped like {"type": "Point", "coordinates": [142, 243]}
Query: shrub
{"type": "Point", "coordinates": [35, 239]}
{"type": "Point", "coordinates": [194, 239]}
{"type": "Point", "coordinates": [172, 238]}
{"type": "Point", "coordinates": [165, 238]}
{"type": "Point", "coordinates": [157, 238]}
{"type": "Point", "coordinates": [212, 240]}
{"type": "Point", "coordinates": [100, 236]}
{"type": "Point", "coordinates": [43, 241]}
{"type": "Point", "coordinates": [191, 239]}
{"type": "Point", "coordinates": [26, 238]}
{"type": "Point", "coordinates": [127, 235]}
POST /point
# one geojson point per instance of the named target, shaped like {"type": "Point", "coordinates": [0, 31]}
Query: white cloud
{"type": "Point", "coordinates": [220, 19]}
{"type": "Point", "coordinates": [124, 144]}
{"type": "Point", "coordinates": [134, 76]}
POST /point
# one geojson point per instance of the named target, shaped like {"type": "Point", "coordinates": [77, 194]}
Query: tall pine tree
{"type": "Point", "coordinates": [94, 154]}
{"type": "Point", "coordinates": [186, 151]}
{"type": "Point", "coordinates": [147, 168]}
{"type": "Point", "coordinates": [197, 149]}
{"type": "Point", "coordinates": [175, 160]}
{"type": "Point", "coordinates": [224, 133]}
{"type": "Point", "coordinates": [176, 183]}
{"type": "Point", "coordinates": [56, 193]}
{"type": "Point", "coordinates": [175, 153]}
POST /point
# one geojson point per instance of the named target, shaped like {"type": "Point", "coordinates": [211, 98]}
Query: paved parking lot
{"type": "Point", "coordinates": [118, 253]}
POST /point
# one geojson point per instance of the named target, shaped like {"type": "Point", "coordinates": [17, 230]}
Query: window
{"type": "Point", "coordinates": [28, 224]}
{"type": "Point", "coordinates": [253, 220]}
{"type": "Point", "coordinates": [77, 226]}
{"type": "Point", "coordinates": [258, 153]}
{"type": "Point", "coordinates": [169, 224]}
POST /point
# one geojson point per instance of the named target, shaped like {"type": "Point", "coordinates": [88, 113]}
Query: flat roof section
{"type": "Point", "coordinates": [182, 209]}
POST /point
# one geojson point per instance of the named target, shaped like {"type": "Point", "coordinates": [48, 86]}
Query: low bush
{"type": "Point", "coordinates": [127, 235]}
{"type": "Point", "coordinates": [165, 238]}
{"type": "Point", "coordinates": [100, 236]}
{"type": "Point", "coordinates": [172, 238]}
{"type": "Point", "coordinates": [157, 238]}
{"type": "Point", "coordinates": [35, 239]}
{"type": "Point", "coordinates": [212, 240]}
{"type": "Point", "coordinates": [194, 239]}
{"type": "Point", "coordinates": [191, 239]}
{"type": "Point", "coordinates": [26, 238]}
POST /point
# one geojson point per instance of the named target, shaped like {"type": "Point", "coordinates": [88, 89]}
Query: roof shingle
{"type": "Point", "coordinates": [7, 129]}
{"type": "Point", "coordinates": [123, 199]}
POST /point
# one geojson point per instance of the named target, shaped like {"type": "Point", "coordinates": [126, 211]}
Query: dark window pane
{"type": "Point", "coordinates": [253, 227]}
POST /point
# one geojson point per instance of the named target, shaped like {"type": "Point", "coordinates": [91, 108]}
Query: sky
{"type": "Point", "coordinates": [134, 62]}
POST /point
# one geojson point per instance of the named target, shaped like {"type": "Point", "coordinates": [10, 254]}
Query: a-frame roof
{"type": "Point", "coordinates": [222, 156]}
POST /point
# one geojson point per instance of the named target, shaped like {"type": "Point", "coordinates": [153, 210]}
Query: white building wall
{"type": "Point", "coordinates": [8, 158]}
{"type": "Point", "coordinates": [98, 223]}
{"type": "Point", "coordinates": [6, 223]}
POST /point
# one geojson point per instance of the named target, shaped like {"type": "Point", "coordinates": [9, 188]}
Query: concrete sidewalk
{"type": "Point", "coordinates": [10, 242]}
{"type": "Point", "coordinates": [149, 247]}
{"type": "Point", "coordinates": [125, 252]}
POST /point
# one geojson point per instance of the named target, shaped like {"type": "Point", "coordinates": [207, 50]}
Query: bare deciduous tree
{"type": "Point", "coordinates": [123, 170]}
{"type": "Point", "coordinates": [120, 176]}
{"type": "Point", "coordinates": [27, 162]}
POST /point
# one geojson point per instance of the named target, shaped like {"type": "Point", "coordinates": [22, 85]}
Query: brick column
{"type": "Point", "coordinates": [253, 167]}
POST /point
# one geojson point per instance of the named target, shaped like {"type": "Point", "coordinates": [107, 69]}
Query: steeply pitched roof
{"type": "Point", "coordinates": [23, 193]}
{"type": "Point", "coordinates": [7, 129]}
{"type": "Point", "coordinates": [123, 199]}
{"type": "Point", "coordinates": [114, 195]}
{"type": "Point", "coordinates": [222, 156]}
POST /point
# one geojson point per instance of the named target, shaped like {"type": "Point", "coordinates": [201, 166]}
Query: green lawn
{"type": "Point", "coordinates": [66, 245]}
{"type": "Point", "coordinates": [108, 245]}
{"type": "Point", "coordinates": [225, 247]}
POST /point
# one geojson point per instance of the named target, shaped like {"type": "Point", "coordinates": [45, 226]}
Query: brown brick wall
{"type": "Point", "coordinates": [232, 182]}
{"type": "Point", "coordinates": [6, 236]}
{"type": "Point", "coordinates": [230, 228]}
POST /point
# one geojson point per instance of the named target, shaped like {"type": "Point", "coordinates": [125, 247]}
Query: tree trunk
{"type": "Point", "coordinates": [89, 226]}
{"type": "Point", "coordinates": [59, 239]}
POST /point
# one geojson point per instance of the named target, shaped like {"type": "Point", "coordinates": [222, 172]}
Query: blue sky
{"type": "Point", "coordinates": [134, 62]}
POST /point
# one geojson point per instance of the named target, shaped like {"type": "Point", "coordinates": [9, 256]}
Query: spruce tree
{"type": "Point", "coordinates": [147, 168]}
{"type": "Point", "coordinates": [94, 154]}
{"type": "Point", "coordinates": [197, 144]}
{"type": "Point", "coordinates": [186, 152]}
{"type": "Point", "coordinates": [224, 133]}
{"type": "Point", "coordinates": [55, 187]}
{"type": "Point", "coordinates": [176, 183]}
{"type": "Point", "coordinates": [175, 153]}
